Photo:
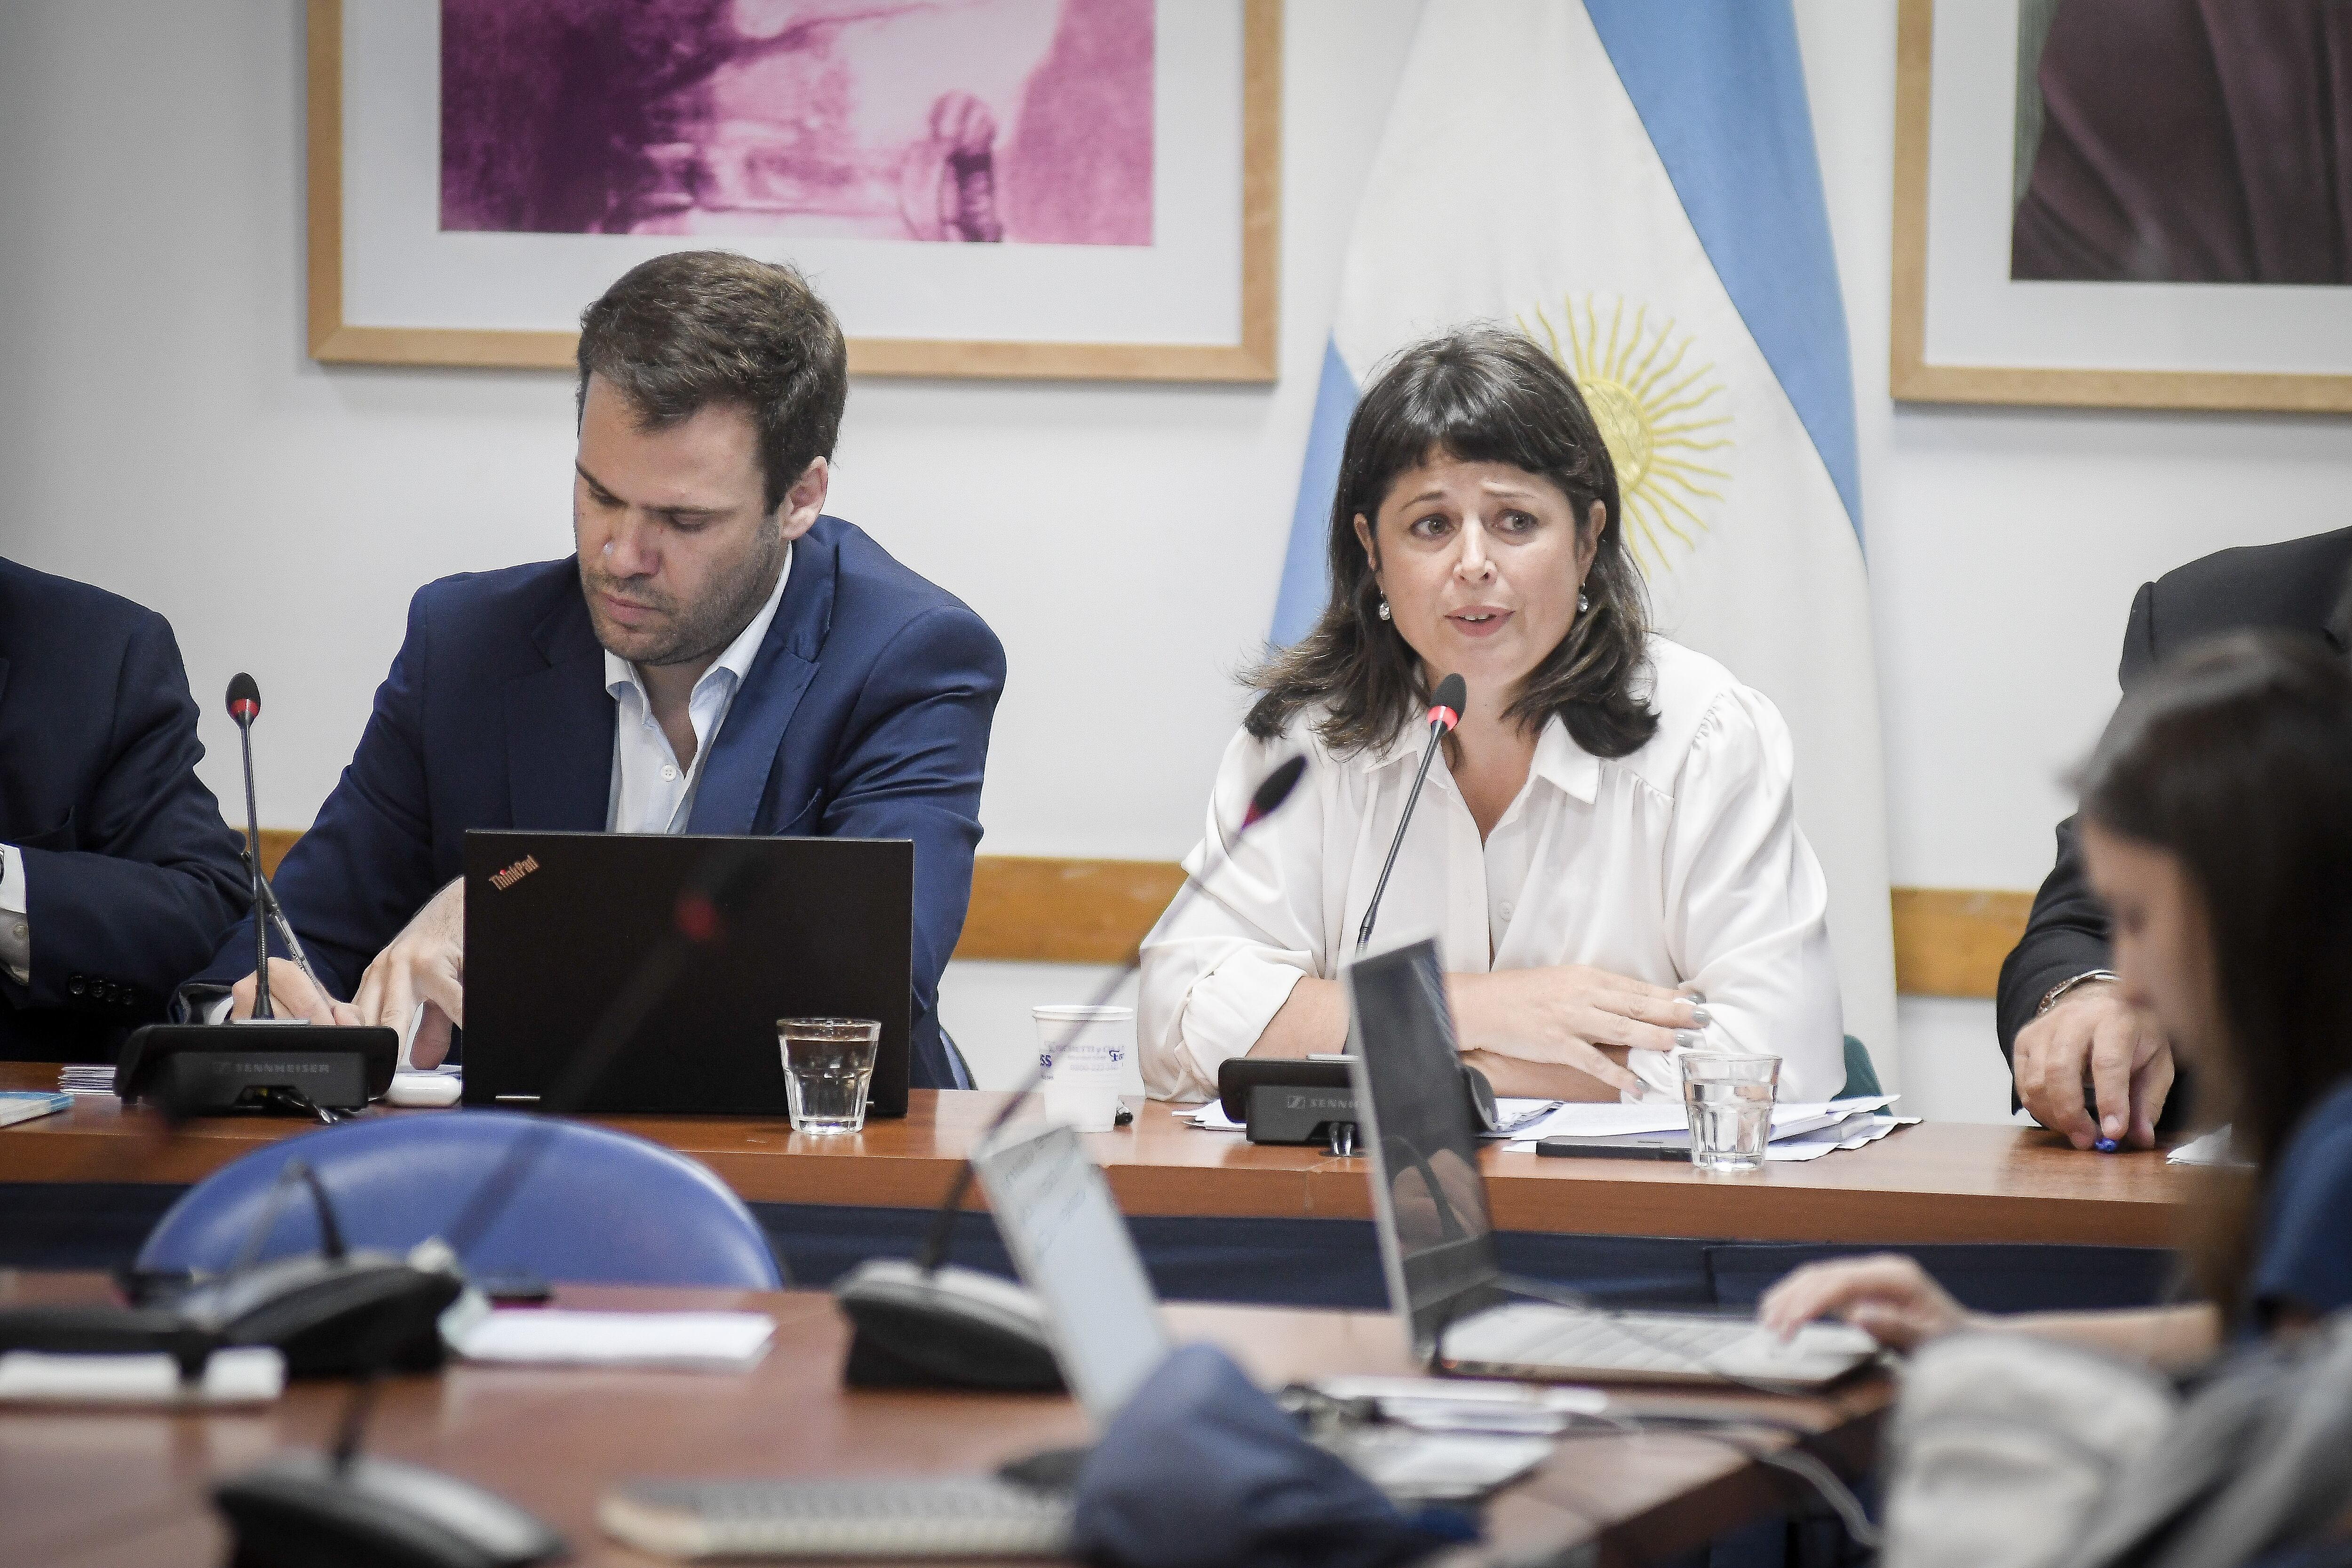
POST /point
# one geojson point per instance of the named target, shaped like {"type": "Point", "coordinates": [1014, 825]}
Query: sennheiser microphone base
{"type": "Point", "coordinates": [1299, 1114]}
{"type": "Point", "coordinates": [216, 1069]}
{"type": "Point", "coordinates": [1286, 1099]}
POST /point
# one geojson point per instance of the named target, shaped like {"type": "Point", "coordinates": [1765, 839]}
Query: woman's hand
{"type": "Point", "coordinates": [1564, 1016]}
{"type": "Point", "coordinates": [1887, 1296]}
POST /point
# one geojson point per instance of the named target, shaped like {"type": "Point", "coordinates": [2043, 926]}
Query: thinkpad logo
{"type": "Point", "coordinates": [515, 873]}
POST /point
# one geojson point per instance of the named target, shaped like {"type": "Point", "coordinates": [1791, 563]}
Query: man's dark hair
{"type": "Point", "coordinates": [1482, 395]}
{"type": "Point", "coordinates": [2236, 758]}
{"type": "Point", "coordinates": [694, 328]}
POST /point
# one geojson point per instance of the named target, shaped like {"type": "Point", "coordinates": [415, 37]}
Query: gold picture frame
{"type": "Point", "coordinates": [1252, 358]}
{"type": "Point", "coordinates": [1914, 379]}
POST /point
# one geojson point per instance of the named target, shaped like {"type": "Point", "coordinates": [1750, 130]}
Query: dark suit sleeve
{"type": "Point", "coordinates": [158, 873]}
{"type": "Point", "coordinates": [2066, 934]}
{"type": "Point", "coordinates": [911, 767]}
{"type": "Point", "coordinates": [365, 865]}
{"type": "Point", "coordinates": [2139, 639]}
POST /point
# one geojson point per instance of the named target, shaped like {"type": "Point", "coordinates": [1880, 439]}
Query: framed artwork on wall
{"type": "Point", "coordinates": [1065, 189]}
{"type": "Point", "coordinates": [2124, 204]}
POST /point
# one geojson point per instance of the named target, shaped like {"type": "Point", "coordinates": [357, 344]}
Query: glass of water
{"type": "Point", "coordinates": [828, 1067]}
{"type": "Point", "coordinates": [1729, 1100]}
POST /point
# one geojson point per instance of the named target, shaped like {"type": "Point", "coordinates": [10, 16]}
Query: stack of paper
{"type": "Point", "coordinates": [77, 1078]}
{"type": "Point", "coordinates": [1801, 1131]}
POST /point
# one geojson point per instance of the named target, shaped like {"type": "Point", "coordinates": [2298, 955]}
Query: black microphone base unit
{"type": "Point", "coordinates": [1286, 1100]}
{"type": "Point", "coordinates": [944, 1326]}
{"type": "Point", "coordinates": [1290, 1101]}
{"type": "Point", "coordinates": [211, 1069]}
{"type": "Point", "coordinates": [306, 1509]}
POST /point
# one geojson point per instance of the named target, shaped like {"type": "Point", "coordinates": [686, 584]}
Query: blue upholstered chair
{"type": "Point", "coordinates": [596, 1207]}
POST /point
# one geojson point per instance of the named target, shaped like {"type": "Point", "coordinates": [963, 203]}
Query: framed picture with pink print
{"type": "Point", "coordinates": [1059, 189]}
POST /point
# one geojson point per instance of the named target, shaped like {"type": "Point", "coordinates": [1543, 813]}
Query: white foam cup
{"type": "Point", "coordinates": [1083, 1052]}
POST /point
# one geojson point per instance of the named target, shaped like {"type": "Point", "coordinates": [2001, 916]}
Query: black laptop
{"type": "Point", "coordinates": [557, 924]}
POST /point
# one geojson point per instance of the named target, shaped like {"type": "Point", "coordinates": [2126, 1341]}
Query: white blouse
{"type": "Point", "coordinates": [1681, 864]}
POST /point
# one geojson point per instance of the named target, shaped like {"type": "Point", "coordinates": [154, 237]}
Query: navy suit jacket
{"type": "Point", "coordinates": [866, 715]}
{"type": "Point", "coordinates": [130, 872]}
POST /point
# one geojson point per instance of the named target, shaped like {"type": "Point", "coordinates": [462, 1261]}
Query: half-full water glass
{"type": "Point", "coordinates": [1083, 1053]}
{"type": "Point", "coordinates": [828, 1069]}
{"type": "Point", "coordinates": [1729, 1101]}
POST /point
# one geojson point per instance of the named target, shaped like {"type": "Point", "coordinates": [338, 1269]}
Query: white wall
{"type": "Point", "coordinates": [162, 433]}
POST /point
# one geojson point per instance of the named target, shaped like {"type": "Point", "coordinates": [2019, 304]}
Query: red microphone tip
{"type": "Point", "coordinates": [1453, 695]}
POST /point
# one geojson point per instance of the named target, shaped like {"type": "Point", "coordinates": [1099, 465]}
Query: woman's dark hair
{"type": "Point", "coordinates": [1482, 395]}
{"type": "Point", "coordinates": [2236, 758]}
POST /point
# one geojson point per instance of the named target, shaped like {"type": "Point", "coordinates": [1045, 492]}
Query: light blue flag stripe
{"type": "Point", "coordinates": [1305, 575]}
{"type": "Point", "coordinates": [1720, 88]}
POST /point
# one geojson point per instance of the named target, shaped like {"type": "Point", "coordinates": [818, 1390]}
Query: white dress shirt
{"type": "Point", "coordinates": [650, 793]}
{"type": "Point", "coordinates": [15, 930]}
{"type": "Point", "coordinates": [1681, 864]}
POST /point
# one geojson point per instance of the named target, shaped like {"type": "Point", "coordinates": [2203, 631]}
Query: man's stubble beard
{"type": "Point", "coordinates": [696, 632]}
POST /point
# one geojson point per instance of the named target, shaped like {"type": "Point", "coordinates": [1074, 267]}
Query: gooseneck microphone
{"type": "Point", "coordinates": [1264, 802]}
{"type": "Point", "coordinates": [918, 1323]}
{"type": "Point", "coordinates": [245, 707]}
{"type": "Point", "coordinates": [1445, 712]}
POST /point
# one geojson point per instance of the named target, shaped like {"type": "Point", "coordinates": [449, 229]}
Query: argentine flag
{"type": "Point", "coordinates": [1634, 183]}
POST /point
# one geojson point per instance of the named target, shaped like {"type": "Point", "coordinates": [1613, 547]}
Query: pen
{"type": "Point", "coordinates": [286, 934]}
{"type": "Point", "coordinates": [2102, 1143]}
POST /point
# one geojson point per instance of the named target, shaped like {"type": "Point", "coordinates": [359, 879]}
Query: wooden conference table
{"type": "Point", "coordinates": [1936, 1183]}
{"type": "Point", "coordinates": [99, 1489]}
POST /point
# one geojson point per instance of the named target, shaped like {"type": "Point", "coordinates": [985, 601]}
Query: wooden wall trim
{"type": "Point", "coordinates": [1063, 911]}
{"type": "Point", "coordinates": [1948, 942]}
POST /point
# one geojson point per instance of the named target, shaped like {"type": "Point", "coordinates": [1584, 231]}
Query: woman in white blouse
{"type": "Point", "coordinates": [1606, 850]}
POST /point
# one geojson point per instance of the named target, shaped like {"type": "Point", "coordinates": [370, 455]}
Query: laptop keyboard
{"type": "Point", "coordinates": [966, 1515]}
{"type": "Point", "coordinates": [1676, 1344]}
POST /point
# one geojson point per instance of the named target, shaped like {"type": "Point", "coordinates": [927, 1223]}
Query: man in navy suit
{"type": "Point", "coordinates": [719, 657]}
{"type": "Point", "coordinates": [116, 870]}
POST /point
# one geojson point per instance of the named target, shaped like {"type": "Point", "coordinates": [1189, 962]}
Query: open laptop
{"type": "Point", "coordinates": [1437, 1241]}
{"type": "Point", "coordinates": [558, 925]}
{"type": "Point", "coordinates": [1072, 1248]}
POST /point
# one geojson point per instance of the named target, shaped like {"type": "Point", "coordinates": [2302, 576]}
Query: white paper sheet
{"type": "Point", "coordinates": [716, 1341]}
{"type": "Point", "coordinates": [2213, 1149]}
{"type": "Point", "coordinates": [248, 1376]}
{"type": "Point", "coordinates": [1854, 1133]}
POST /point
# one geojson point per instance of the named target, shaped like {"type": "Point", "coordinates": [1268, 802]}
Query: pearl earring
{"type": "Point", "coordinates": [1583, 604]}
{"type": "Point", "coordinates": [1385, 608]}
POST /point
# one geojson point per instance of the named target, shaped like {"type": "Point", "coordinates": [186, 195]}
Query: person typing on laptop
{"type": "Point", "coordinates": [718, 656]}
{"type": "Point", "coordinates": [2217, 823]}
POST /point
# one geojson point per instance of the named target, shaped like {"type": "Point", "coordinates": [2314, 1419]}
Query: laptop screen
{"type": "Point", "coordinates": [1437, 1240]}
{"type": "Point", "coordinates": [1072, 1248]}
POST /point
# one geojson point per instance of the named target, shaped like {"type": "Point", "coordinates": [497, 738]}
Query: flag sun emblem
{"type": "Point", "coordinates": [1662, 419]}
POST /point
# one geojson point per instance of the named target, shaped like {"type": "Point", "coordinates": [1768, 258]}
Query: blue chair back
{"type": "Point", "coordinates": [597, 1206]}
